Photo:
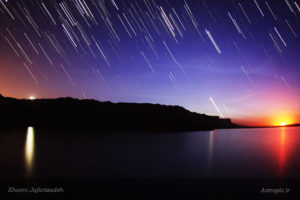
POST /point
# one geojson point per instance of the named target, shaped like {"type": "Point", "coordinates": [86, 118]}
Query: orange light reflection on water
{"type": "Point", "coordinates": [282, 150]}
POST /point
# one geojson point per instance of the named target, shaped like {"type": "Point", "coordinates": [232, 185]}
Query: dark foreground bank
{"type": "Point", "coordinates": [91, 114]}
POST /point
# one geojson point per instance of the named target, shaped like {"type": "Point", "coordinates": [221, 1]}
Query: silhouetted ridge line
{"type": "Point", "coordinates": [91, 114]}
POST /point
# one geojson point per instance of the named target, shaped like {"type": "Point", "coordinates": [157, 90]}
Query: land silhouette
{"type": "Point", "coordinates": [78, 114]}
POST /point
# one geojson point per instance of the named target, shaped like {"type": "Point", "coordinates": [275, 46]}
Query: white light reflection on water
{"type": "Point", "coordinates": [210, 149]}
{"type": "Point", "coordinates": [29, 150]}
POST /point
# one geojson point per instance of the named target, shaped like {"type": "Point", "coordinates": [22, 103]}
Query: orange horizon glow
{"type": "Point", "coordinates": [284, 119]}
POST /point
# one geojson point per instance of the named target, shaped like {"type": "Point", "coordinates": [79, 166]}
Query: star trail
{"type": "Point", "coordinates": [237, 59]}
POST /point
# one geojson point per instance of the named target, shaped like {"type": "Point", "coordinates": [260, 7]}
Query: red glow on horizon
{"type": "Point", "coordinates": [279, 119]}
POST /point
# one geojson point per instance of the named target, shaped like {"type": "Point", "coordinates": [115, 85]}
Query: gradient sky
{"type": "Point", "coordinates": [237, 59]}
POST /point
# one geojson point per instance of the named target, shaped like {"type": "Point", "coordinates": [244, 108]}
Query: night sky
{"type": "Point", "coordinates": [237, 59]}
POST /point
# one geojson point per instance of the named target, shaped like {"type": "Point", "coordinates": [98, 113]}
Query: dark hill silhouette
{"type": "Point", "coordinates": [91, 114]}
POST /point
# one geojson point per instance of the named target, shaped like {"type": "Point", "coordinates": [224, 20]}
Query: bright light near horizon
{"type": "Point", "coordinates": [283, 124]}
{"type": "Point", "coordinates": [283, 119]}
{"type": "Point", "coordinates": [32, 97]}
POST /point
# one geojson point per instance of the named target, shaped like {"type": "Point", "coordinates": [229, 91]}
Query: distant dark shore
{"type": "Point", "coordinates": [69, 113]}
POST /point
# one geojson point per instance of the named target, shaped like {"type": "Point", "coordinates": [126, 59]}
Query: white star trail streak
{"type": "Point", "coordinates": [261, 12]}
{"type": "Point", "coordinates": [246, 73]}
{"type": "Point", "coordinates": [149, 64]}
{"type": "Point", "coordinates": [286, 84]}
{"type": "Point", "coordinates": [31, 74]}
{"type": "Point", "coordinates": [213, 41]}
{"type": "Point", "coordinates": [216, 107]}
{"type": "Point", "coordinates": [280, 36]}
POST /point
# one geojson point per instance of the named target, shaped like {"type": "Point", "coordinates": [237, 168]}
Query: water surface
{"type": "Point", "coordinates": [232, 153]}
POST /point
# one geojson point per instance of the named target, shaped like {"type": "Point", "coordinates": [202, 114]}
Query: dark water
{"type": "Point", "coordinates": [239, 153]}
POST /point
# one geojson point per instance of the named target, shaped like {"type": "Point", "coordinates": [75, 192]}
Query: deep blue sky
{"type": "Point", "coordinates": [237, 59]}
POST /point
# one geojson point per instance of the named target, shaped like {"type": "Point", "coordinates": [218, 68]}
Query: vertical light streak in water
{"type": "Point", "coordinates": [210, 150]}
{"type": "Point", "coordinates": [29, 150]}
{"type": "Point", "coordinates": [282, 151]}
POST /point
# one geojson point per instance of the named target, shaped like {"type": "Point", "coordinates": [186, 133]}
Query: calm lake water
{"type": "Point", "coordinates": [234, 153]}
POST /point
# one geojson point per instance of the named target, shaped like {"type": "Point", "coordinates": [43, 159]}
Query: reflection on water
{"type": "Point", "coordinates": [229, 153]}
{"type": "Point", "coordinates": [29, 150]}
{"type": "Point", "coordinates": [282, 151]}
{"type": "Point", "coordinates": [210, 148]}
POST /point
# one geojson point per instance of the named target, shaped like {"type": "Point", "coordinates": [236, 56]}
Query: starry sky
{"type": "Point", "coordinates": [236, 59]}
